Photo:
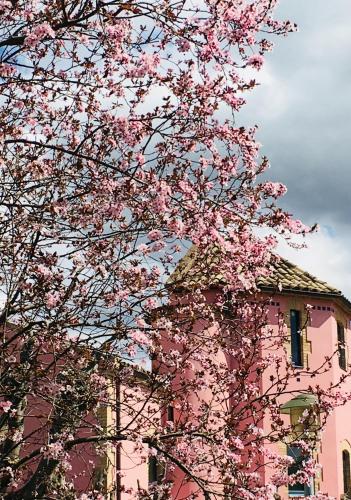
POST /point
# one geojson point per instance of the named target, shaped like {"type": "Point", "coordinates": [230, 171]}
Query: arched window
{"type": "Point", "coordinates": [346, 470]}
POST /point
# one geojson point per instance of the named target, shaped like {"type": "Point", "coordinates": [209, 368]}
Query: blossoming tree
{"type": "Point", "coordinates": [120, 149]}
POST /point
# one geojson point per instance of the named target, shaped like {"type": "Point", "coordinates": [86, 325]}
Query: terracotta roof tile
{"type": "Point", "coordinates": [194, 271]}
{"type": "Point", "coordinates": [291, 277]}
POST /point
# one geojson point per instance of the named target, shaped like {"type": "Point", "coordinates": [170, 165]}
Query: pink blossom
{"type": "Point", "coordinates": [296, 226]}
{"type": "Point", "coordinates": [54, 450]}
{"type": "Point", "coordinates": [151, 303]}
{"type": "Point", "coordinates": [176, 226]}
{"type": "Point", "coordinates": [142, 248]}
{"type": "Point", "coordinates": [154, 235]}
{"type": "Point", "coordinates": [39, 33]}
{"type": "Point", "coordinates": [52, 299]}
{"type": "Point", "coordinates": [256, 61]}
{"type": "Point", "coordinates": [237, 442]}
{"type": "Point", "coordinates": [147, 64]}
{"type": "Point", "coordinates": [183, 45]}
{"type": "Point", "coordinates": [140, 338]}
{"type": "Point", "coordinates": [5, 406]}
{"type": "Point", "coordinates": [117, 31]}
{"type": "Point", "coordinates": [4, 4]}
{"type": "Point", "coordinates": [44, 272]}
{"type": "Point", "coordinates": [98, 380]}
{"type": "Point", "coordinates": [274, 189]}
{"type": "Point", "coordinates": [47, 131]}
{"type": "Point", "coordinates": [159, 245]}
{"type": "Point", "coordinates": [6, 70]}
{"type": "Point", "coordinates": [139, 157]}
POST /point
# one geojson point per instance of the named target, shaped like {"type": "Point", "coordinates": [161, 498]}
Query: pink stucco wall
{"type": "Point", "coordinates": [322, 336]}
{"type": "Point", "coordinates": [133, 460]}
{"type": "Point", "coordinates": [321, 333]}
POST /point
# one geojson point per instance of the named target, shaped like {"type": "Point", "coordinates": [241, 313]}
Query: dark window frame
{"type": "Point", "coordinates": [296, 338]}
{"type": "Point", "coordinates": [153, 469]}
{"type": "Point", "coordinates": [346, 471]}
{"type": "Point", "coordinates": [341, 346]}
{"type": "Point", "coordinates": [297, 489]}
{"type": "Point", "coordinates": [156, 470]}
{"type": "Point", "coordinates": [170, 413]}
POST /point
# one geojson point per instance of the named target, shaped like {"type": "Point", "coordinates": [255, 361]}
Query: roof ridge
{"type": "Point", "coordinates": [191, 271]}
{"type": "Point", "coordinates": [285, 277]}
{"type": "Point", "coordinates": [307, 274]}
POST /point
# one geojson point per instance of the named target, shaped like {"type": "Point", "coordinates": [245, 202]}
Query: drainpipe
{"type": "Point", "coordinates": [118, 447]}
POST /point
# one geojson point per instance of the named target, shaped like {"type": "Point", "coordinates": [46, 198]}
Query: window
{"type": "Point", "coordinates": [346, 471]}
{"type": "Point", "coordinates": [153, 472]}
{"type": "Point", "coordinates": [296, 341]}
{"type": "Point", "coordinates": [156, 470]}
{"type": "Point", "coordinates": [170, 414]}
{"type": "Point", "coordinates": [341, 346]}
{"type": "Point", "coordinates": [297, 489]}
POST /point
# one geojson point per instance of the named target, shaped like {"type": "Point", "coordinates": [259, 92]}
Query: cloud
{"type": "Point", "coordinates": [303, 109]}
{"type": "Point", "coordinates": [270, 100]}
{"type": "Point", "coordinates": [308, 143]}
{"type": "Point", "coordinates": [327, 257]}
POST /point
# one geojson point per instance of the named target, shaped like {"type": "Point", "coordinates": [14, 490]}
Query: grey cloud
{"type": "Point", "coordinates": [303, 109]}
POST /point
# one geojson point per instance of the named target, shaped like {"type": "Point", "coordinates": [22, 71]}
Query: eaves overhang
{"type": "Point", "coordinates": [338, 298]}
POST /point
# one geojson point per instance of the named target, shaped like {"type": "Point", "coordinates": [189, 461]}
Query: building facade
{"type": "Point", "coordinates": [311, 338]}
{"type": "Point", "coordinates": [316, 335]}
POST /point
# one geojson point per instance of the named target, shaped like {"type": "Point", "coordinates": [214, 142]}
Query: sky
{"type": "Point", "coordinates": [303, 109]}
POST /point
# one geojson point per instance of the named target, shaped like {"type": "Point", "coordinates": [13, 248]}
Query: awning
{"type": "Point", "coordinates": [300, 401]}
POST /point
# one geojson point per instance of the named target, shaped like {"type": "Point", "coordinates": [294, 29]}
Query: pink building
{"type": "Point", "coordinates": [308, 343]}
{"type": "Point", "coordinates": [309, 340]}
{"type": "Point", "coordinates": [327, 331]}
{"type": "Point", "coordinates": [126, 467]}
